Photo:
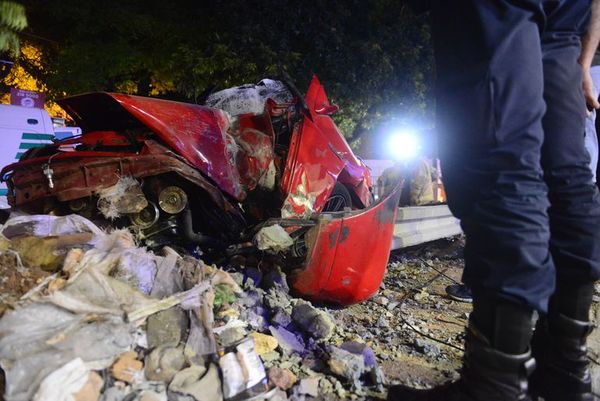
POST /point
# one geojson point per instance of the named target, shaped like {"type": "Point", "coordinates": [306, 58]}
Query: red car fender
{"type": "Point", "coordinates": [348, 253]}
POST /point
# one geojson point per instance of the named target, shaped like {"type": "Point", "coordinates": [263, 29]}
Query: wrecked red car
{"type": "Point", "coordinates": [211, 175]}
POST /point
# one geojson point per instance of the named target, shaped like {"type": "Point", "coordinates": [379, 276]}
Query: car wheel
{"type": "Point", "coordinates": [338, 200]}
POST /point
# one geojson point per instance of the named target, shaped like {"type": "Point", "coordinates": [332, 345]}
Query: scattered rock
{"type": "Point", "coordinates": [429, 349]}
{"type": "Point", "coordinates": [280, 317]}
{"type": "Point", "coordinates": [263, 343]}
{"type": "Point", "coordinates": [167, 327]}
{"type": "Point", "coordinates": [313, 321]}
{"type": "Point", "coordinates": [91, 389]}
{"type": "Point", "coordinates": [273, 239]}
{"type": "Point", "coordinates": [163, 363]}
{"type": "Point", "coordinates": [287, 340]}
{"type": "Point", "coordinates": [282, 378]}
{"type": "Point", "coordinates": [231, 336]}
{"type": "Point", "coordinates": [361, 349]}
{"type": "Point", "coordinates": [197, 382]}
{"type": "Point", "coordinates": [309, 387]}
{"type": "Point", "coordinates": [127, 368]}
{"type": "Point", "coordinates": [346, 364]}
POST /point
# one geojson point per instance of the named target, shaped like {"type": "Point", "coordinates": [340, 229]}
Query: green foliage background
{"type": "Point", "coordinates": [12, 21]}
{"type": "Point", "coordinates": [373, 56]}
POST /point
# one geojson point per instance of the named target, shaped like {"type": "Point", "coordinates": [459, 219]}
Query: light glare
{"type": "Point", "coordinates": [403, 145]}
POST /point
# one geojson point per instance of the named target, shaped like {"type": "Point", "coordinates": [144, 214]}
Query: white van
{"type": "Point", "coordinates": [23, 128]}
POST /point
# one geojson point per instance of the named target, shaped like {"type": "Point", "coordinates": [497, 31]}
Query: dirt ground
{"type": "Point", "coordinates": [415, 330]}
{"type": "Point", "coordinates": [15, 282]}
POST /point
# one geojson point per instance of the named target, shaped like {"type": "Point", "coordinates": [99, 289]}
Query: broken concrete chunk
{"type": "Point", "coordinates": [264, 343]}
{"type": "Point", "coordinates": [127, 368]}
{"type": "Point", "coordinates": [287, 340]}
{"type": "Point", "coordinates": [313, 321]}
{"type": "Point", "coordinates": [273, 239]}
{"type": "Point", "coordinates": [163, 363]}
{"type": "Point", "coordinates": [167, 328]}
{"type": "Point", "coordinates": [197, 382]}
{"type": "Point", "coordinates": [280, 317]}
{"type": "Point", "coordinates": [282, 378]}
{"type": "Point", "coordinates": [361, 349]}
{"type": "Point", "coordinates": [91, 389]}
{"type": "Point", "coordinates": [346, 364]}
{"type": "Point", "coordinates": [231, 335]}
{"type": "Point", "coordinates": [278, 299]}
{"type": "Point", "coordinates": [309, 387]}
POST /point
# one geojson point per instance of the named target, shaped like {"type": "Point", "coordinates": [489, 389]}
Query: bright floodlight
{"type": "Point", "coordinates": [403, 144]}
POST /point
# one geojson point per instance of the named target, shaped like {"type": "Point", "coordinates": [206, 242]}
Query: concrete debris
{"type": "Point", "coordinates": [313, 321]}
{"type": "Point", "coordinates": [127, 368]}
{"type": "Point", "coordinates": [91, 389]}
{"type": "Point", "coordinates": [309, 387]}
{"type": "Point", "coordinates": [264, 343]}
{"type": "Point", "coordinates": [196, 383]}
{"type": "Point", "coordinates": [163, 363]}
{"type": "Point", "coordinates": [346, 364]}
{"type": "Point", "coordinates": [273, 239]}
{"type": "Point", "coordinates": [116, 322]}
{"type": "Point", "coordinates": [282, 378]}
{"type": "Point", "coordinates": [288, 341]}
{"type": "Point", "coordinates": [232, 336]}
{"type": "Point", "coordinates": [167, 328]}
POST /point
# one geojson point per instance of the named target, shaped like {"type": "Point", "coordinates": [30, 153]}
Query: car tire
{"type": "Point", "coordinates": [338, 200]}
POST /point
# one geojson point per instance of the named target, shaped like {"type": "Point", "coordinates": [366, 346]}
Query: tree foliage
{"type": "Point", "coordinates": [372, 55]}
{"type": "Point", "coordinates": [12, 21]}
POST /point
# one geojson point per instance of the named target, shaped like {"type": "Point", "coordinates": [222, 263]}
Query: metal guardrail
{"type": "Point", "coordinates": [418, 224]}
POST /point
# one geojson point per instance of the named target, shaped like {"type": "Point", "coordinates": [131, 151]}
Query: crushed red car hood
{"type": "Point", "coordinates": [197, 133]}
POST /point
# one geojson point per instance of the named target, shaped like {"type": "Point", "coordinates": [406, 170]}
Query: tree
{"type": "Point", "coordinates": [372, 55]}
{"type": "Point", "coordinates": [12, 21]}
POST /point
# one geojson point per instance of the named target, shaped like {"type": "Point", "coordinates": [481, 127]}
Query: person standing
{"type": "Point", "coordinates": [511, 116]}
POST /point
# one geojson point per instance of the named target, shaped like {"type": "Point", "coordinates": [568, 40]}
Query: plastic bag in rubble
{"type": "Point", "coordinates": [63, 383]}
{"type": "Point", "coordinates": [249, 98]}
{"type": "Point", "coordinates": [273, 239]}
{"type": "Point", "coordinates": [95, 292]}
{"type": "Point", "coordinates": [45, 225]}
{"type": "Point", "coordinates": [39, 338]}
{"type": "Point", "coordinates": [117, 254]}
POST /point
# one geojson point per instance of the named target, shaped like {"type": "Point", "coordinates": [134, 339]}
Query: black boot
{"type": "Point", "coordinates": [488, 375]}
{"type": "Point", "coordinates": [559, 346]}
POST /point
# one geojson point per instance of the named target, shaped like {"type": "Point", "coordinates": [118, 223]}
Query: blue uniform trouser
{"type": "Point", "coordinates": [511, 129]}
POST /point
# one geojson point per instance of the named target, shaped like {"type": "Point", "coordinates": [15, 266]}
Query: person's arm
{"type": "Point", "coordinates": [589, 44]}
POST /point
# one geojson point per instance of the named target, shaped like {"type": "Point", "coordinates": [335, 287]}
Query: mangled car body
{"type": "Point", "coordinates": [211, 175]}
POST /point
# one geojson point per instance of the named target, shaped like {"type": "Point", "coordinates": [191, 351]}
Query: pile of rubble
{"type": "Point", "coordinates": [88, 315]}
